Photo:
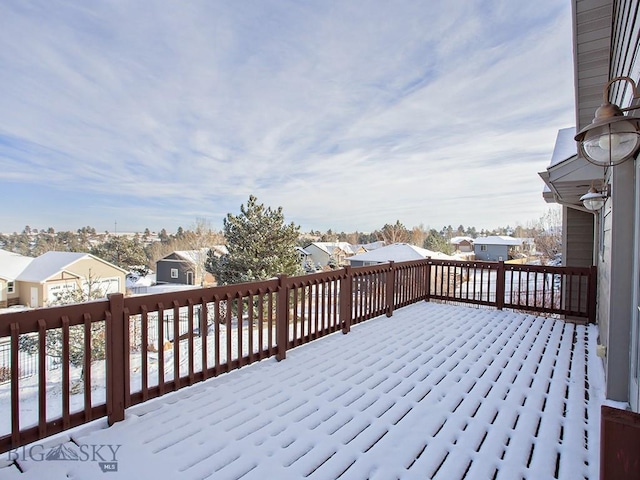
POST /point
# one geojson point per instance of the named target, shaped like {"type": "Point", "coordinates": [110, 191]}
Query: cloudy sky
{"type": "Point", "coordinates": [347, 113]}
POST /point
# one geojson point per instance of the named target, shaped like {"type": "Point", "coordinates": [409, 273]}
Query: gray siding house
{"type": "Point", "coordinates": [605, 41]}
{"type": "Point", "coordinates": [321, 254]}
{"type": "Point", "coordinates": [175, 268]}
{"type": "Point", "coordinates": [186, 267]}
{"type": "Point", "coordinates": [496, 248]}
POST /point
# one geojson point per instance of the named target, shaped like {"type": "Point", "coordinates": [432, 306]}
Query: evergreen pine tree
{"type": "Point", "coordinates": [260, 246]}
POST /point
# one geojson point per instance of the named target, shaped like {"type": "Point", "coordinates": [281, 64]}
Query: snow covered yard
{"type": "Point", "coordinates": [436, 391]}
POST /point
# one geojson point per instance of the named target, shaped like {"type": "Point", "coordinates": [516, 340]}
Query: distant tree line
{"type": "Point", "coordinates": [258, 240]}
{"type": "Point", "coordinates": [546, 233]}
{"type": "Point", "coordinates": [138, 253]}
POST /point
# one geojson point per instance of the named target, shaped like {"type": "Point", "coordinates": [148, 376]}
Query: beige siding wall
{"type": "Point", "coordinates": [14, 298]}
{"type": "Point", "coordinates": [24, 292]}
{"type": "Point", "coordinates": [3, 293]}
{"type": "Point", "coordinates": [7, 299]}
{"type": "Point", "coordinates": [90, 267]}
{"type": "Point", "coordinates": [101, 274]}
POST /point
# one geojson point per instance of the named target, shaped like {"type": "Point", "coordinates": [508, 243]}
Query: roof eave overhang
{"type": "Point", "coordinates": [568, 180]}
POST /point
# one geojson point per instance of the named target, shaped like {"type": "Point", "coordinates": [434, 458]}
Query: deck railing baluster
{"type": "Point", "coordinates": [312, 306]}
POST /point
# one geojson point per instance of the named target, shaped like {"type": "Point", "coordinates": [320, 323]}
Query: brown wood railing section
{"type": "Point", "coordinates": [142, 347]}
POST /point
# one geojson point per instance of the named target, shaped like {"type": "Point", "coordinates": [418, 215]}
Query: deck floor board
{"type": "Point", "coordinates": [435, 391]}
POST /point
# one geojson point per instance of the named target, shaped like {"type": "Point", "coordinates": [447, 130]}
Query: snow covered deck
{"type": "Point", "coordinates": [436, 391]}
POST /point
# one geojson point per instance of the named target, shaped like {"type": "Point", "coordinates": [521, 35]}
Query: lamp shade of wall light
{"type": "Point", "coordinates": [593, 200]}
{"type": "Point", "coordinates": [612, 137]}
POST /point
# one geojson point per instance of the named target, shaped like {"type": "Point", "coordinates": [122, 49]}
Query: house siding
{"type": "Point", "coordinates": [184, 267]}
{"type": "Point", "coordinates": [493, 253]}
{"type": "Point", "coordinates": [464, 246]}
{"type": "Point", "coordinates": [592, 53]}
{"type": "Point", "coordinates": [3, 293]}
{"type": "Point", "coordinates": [318, 256]}
{"type": "Point", "coordinates": [616, 281]}
{"type": "Point", "coordinates": [25, 294]}
{"type": "Point", "coordinates": [8, 299]}
{"type": "Point", "coordinates": [578, 238]}
{"type": "Point", "coordinates": [103, 275]}
{"type": "Point", "coordinates": [190, 265]}
{"type": "Point", "coordinates": [90, 267]}
{"type": "Point", "coordinates": [615, 290]}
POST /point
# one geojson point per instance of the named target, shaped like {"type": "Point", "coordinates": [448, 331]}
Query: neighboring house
{"type": "Point", "coordinates": [462, 244]}
{"type": "Point", "coordinates": [52, 273]}
{"type": "Point", "coordinates": [400, 252]}
{"type": "Point", "coordinates": [137, 284]}
{"type": "Point", "coordinates": [11, 265]}
{"type": "Point", "coordinates": [186, 267]}
{"type": "Point", "coordinates": [305, 259]}
{"type": "Point", "coordinates": [322, 254]}
{"type": "Point", "coordinates": [497, 248]}
{"type": "Point", "coordinates": [397, 252]}
{"type": "Point", "coordinates": [373, 245]}
{"type": "Point", "coordinates": [605, 40]}
{"type": "Point", "coordinates": [528, 246]}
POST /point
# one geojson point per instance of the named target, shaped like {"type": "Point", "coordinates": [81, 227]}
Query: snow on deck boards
{"type": "Point", "coordinates": [435, 391]}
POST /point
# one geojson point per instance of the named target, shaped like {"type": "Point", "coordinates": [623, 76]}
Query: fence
{"type": "Point", "coordinates": [119, 352]}
{"type": "Point", "coordinates": [28, 363]}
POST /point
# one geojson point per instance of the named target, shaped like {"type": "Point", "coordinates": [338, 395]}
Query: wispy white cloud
{"type": "Point", "coordinates": [348, 114]}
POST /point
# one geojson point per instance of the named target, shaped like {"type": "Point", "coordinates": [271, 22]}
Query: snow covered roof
{"type": "Point", "coordinates": [196, 256]}
{"type": "Point", "coordinates": [499, 240]}
{"type": "Point", "coordinates": [220, 249]}
{"type": "Point", "coordinates": [448, 392]}
{"type": "Point", "coordinates": [373, 245]}
{"type": "Point", "coordinates": [12, 264]}
{"type": "Point", "coordinates": [565, 146]}
{"type": "Point", "coordinates": [133, 281]}
{"type": "Point", "coordinates": [49, 264]}
{"type": "Point", "coordinates": [169, 287]}
{"type": "Point", "coordinates": [398, 252]}
{"type": "Point", "coordinates": [330, 247]}
{"type": "Point", "coordinates": [458, 240]}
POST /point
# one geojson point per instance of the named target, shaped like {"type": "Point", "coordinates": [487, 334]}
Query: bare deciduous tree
{"type": "Point", "coordinates": [396, 233]}
{"type": "Point", "coordinates": [548, 237]}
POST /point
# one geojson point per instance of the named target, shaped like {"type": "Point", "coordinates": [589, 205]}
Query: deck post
{"type": "Point", "coordinates": [282, 321]}
{"type": "Point", "coordinates": [500, 283]}
{"type": "Point", "coordinates": [391, 281]}
{"type": "Point", "coordinates": [592, 295]}
{"type": "Point", "coordinates": [116, 375]}
{"type": "Point", "coordinates": [427, 280]}
{"type": "Point", "coordinates": [346, 281]}
{"type": "Point", "coordinates": [619, 437]}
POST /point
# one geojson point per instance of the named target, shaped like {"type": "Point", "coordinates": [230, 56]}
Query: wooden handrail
{"type": "Point", "coordinates": [274, 315]}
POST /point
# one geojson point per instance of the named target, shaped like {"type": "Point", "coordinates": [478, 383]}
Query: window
{"type": "Point", "coordinates": [174, 273]}
{"type": "Point", "coordinates": [483, 248]}
{"type": "Point", "coordinates": [11, 287]}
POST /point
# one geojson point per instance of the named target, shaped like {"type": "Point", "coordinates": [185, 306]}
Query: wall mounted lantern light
{"type": "Point", "coordinates": [612, 137]}
{"type": "Point", "coordinates": [594, 200]}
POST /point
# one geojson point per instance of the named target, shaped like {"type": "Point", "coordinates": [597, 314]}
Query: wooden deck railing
{"type": "Point", "coordinates": [568, 291]}
{"type": "Point", "coordinates": [142, 347]}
